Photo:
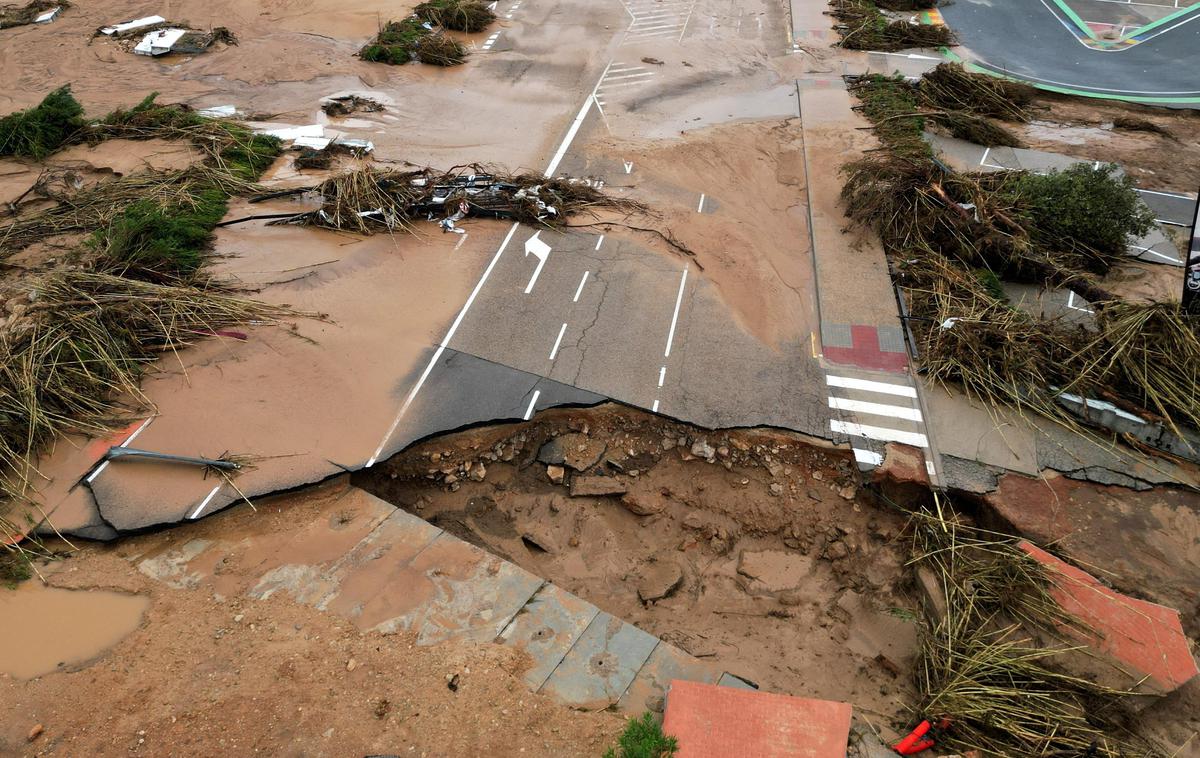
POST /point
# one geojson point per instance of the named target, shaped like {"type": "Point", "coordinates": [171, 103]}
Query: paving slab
{"type": "Point", "coordinates": [547, 628]}
{"type": "Point", "coordinates": [601, 665]}
{"type": "Point", "coordinates": [715, 722]}
{"type": "Point", "coordinates": [666, 664]}
{"type": "Point", "coordinates": [1143, 643]}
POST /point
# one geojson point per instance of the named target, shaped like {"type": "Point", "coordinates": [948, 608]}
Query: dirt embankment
{"type": "Point", "coordinates": [753, 549]}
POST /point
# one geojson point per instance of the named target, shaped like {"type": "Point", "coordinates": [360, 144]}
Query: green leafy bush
{"type": "Point", "coordinates": [643, 738]}
{"type": "Point", "coordinates": [1084, 206]}
{"type": "Point", "coordinates": [39, 131]}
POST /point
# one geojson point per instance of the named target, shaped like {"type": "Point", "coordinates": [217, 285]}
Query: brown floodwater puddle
{"type": "Point", "coordinates": [44, 628]}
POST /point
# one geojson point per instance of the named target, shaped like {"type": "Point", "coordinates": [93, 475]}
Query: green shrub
{"type": "Point", "coordinates": [459, 15]}
{"type": "Point", "coordinates": [39, 131]}
{"type": "Point", "coordinates": [1084, 206]}
{"type": "Point", "coordinates": [991, 283]}
{"type": "Point", "coordinates": [643, 738]}
{"type": "Point", "coordinates": [14, 567]}
{"type": "Point", "coordinates": [152, 243]}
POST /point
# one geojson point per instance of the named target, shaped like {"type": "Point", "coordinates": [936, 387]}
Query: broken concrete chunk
{"type": "Point", "coordinates": [556, 474]}
{"type": "Point", "coordinates": [576, 451]}
{"type": "Point", "coordinates": [478, 472]}
{"type": "Point", "coordinates": [659, 580]}
{"type": "Point", "coordinates": [128, 26]}
{"type": "Point", "coordinates": [596, 486]}
{"type": "Point", "coordinates": [159, 42]}
{"type": "Point", "coordinates": [701, 449]}
{"type": "Point", "coordinates": [539, 539]}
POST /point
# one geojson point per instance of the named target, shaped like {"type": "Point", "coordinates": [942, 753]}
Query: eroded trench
{"type": "Point", "coordinates": [755, 549]}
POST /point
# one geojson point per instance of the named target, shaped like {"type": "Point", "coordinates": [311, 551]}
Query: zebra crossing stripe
{"type": "Point", "coordinates": [881, 433]}
{"type": "Point", "coordinates": [886, 388]}
{"type": "Point", "coordinates": [875, 409]}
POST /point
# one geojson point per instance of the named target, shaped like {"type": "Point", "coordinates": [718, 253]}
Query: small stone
{"type": "Point", "coordinates": [836, 551]}
{"type": "Point", "coordinates": [693, 521]}
{"type": "Point", "coordinates": [478, 472]}
{"type": "Point", "coordinates": [556, 474]}
{"type": "Point", "coordinates": [848, 492]}
{"type": "Point", "coordinates": [35, 732]}
{"type": "Point", "coordinates": [660, 580]}
{"type": "Point", "coordinates": [574, 541]}
{"type": "Point", "coordinates": [818, 476]}
{"type": "Point", "coordinates": [451, 478]}
{"type": "Point", "coordinates": [701, 449]}
{"type": "Point", "coordinates": [776, 489]}
{"type": "Point", "coordinates": [642, 505]}
{"type": "Point", "coordinates": [814, 495]}
{"type": "Point", "coordinates": [656, 703]}
{"type": "Point", "coordinates": [435, 457]}
{"type": "Point", "coordinates": [792, 598]}
{"type": "Point", "coordinates": [668, 443]}
{"type": "Point", "coordinates": [351, 664]}
{"type": "Point", "coordinates": [238, 618]}
{"type": "Point", "coordinates": [723, 452]}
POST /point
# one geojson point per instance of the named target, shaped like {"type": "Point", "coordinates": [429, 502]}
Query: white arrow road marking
{"type": "Point", "coordinates": [628, 166]}
{"type": "Point", "coordinates": [492, 7]}
{"type": "Point", "coordinates": [539, 250]}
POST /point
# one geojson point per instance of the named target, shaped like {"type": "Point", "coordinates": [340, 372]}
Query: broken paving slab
{"type": "Point", "coordinates": [600, 667]}
{"type": "Point", "coordinates": [124, 27]}
{"type": "Point", "coordinates": [711, 721]}
{"type": "Point", "coordinates": [666, 664]}
{"type": "Point", "coordinates": [547, 628]}
{"type": "Point", "coordinates": [1136, 644]}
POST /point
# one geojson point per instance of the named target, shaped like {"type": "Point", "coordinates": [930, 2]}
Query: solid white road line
{"type": "Point", "coordinates": [675, 316]}
{"type": "Point", "coordinates": [1167, 194]}
{"type": "Point", "coordinates": [600, 242]}
{"type": "Point", "coordinates": [654, 407]}
{"type": "Point", "coordinates": [92, 477]}
{"type": "Point", "coordinates": [700, 207]}
{"type": "Point", "coordinates": [532, 402]}
{"type": "Point", "coordinates": [579, 291]}
{"type": "Point", "coordinates": [204, 503]}
{"type": "Point", "coordinates": [442, 347]}
{"type": "Point", "coordinates": [886, 388]}
{"type": "Point", "coordinates": [558, 341]}
{"type": "Point", "coordinates": [875, 409]}
{"type": "Point", "coordinates": [567, 140]}
{"type": "Point", "coordinates": [868, 456]}
{"type": "Point", "coordinates": [627, 76]}
{"type": "Point", "coordinates": [883, 434]}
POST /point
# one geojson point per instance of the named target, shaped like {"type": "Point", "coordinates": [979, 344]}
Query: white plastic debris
{"type": "Point", "coordinates": [159, 42]}
{"type": "Point", "coordinates": [316, 143]}
{"type": "Point", "coordinates": [950, 322]}
{"type": "Point", "coordinates": [137, 23]}
{"type": "Point", "coordinates": [361, 145]}
{"type": "Point", "coordinates": [289, 133]}
{"type": "Point", "coordinates": [48, 16]}
{"type": "Point", "coordinates": [218, 111]}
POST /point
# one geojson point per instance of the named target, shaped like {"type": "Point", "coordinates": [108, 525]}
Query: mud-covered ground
{"type": "Point", "coordinates": [753, 549]}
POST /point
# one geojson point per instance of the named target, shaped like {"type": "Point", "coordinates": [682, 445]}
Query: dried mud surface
{"type": "Point", "coordinates": [755, 550]}
{"type": "Point", "coordinates": [1168, 162]}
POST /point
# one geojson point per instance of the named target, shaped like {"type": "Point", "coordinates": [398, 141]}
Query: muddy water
{"type": "Point", "coordinates": [44, 627]}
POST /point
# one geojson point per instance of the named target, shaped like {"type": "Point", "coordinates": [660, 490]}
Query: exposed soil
{"type": "Point", "coordinates": [205, 675]}
{"type": "Point", "coordinates": [1084, 128]}
{"type": "Point", "coordinates": [752, 549]}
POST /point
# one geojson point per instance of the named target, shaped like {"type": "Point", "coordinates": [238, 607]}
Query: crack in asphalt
{"type": "Point", "coordinates": [599, 277]}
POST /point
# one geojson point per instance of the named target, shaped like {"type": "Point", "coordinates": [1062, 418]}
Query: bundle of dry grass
{"type": "Point", "coordinates": [981, 131]}
{"type": "Point", "coordinates": [949, 86]}
{"type": "Point", "coordinates": [979, 663]}
{"type": "Point", "coordinates": [863, 27]}
{"type": "Point", "coordinates": [400, 42]}
{"type": "Point", "coordinates": [459, 15]}
{"type": "Point", "coordinates": [21, 15]}
{"type": "Point", "coordinates": [71, 357]}
{"type": "Point", "coordinates": [348, 104]}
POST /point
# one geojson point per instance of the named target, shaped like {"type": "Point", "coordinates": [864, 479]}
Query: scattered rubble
{"type": "Point", "coordinates": [33, 12]}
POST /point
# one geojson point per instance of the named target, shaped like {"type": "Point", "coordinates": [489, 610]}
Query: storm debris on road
{"type": "Point", "coordinates": [458, 15]}
{"type": "Point", "coordinates": [412, 39]}
{"type": "Point", "coordinates": [955, 238]}
{"type": "Point", "coordinates": [367, 199]}
{"type": "Point", "coordinates": [864, 27]}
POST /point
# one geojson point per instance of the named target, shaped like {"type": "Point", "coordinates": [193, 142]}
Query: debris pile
{"type": "Point", "coordinates": [33, 12]}
{"type": "Point", "coordinates": [369, 198]}
{"type": "Point", "coordinates": [458, 15]}
{"type": "Point", "coordinates": [954, 237]}
{"type": "Point", "coordinates": [344, 105]}
{"type": "Point", "coordinates": [983, 670]}
{"type": "Point", "coordinates": [412, 39]}
{"type": "Point", "coordinates": [864, 27]}
{"type": "Point", "coordinates": [78, 330]}
{"type": "Point", "coordinates": [157, 36]}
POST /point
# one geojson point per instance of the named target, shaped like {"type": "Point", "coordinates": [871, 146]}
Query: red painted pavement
{"type": "Point", "coordinates": [727, 722]}
{"type": "Point", "coordinates": [1142, 636]}
{"type": "Point", "coordinates": [865, 352]}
